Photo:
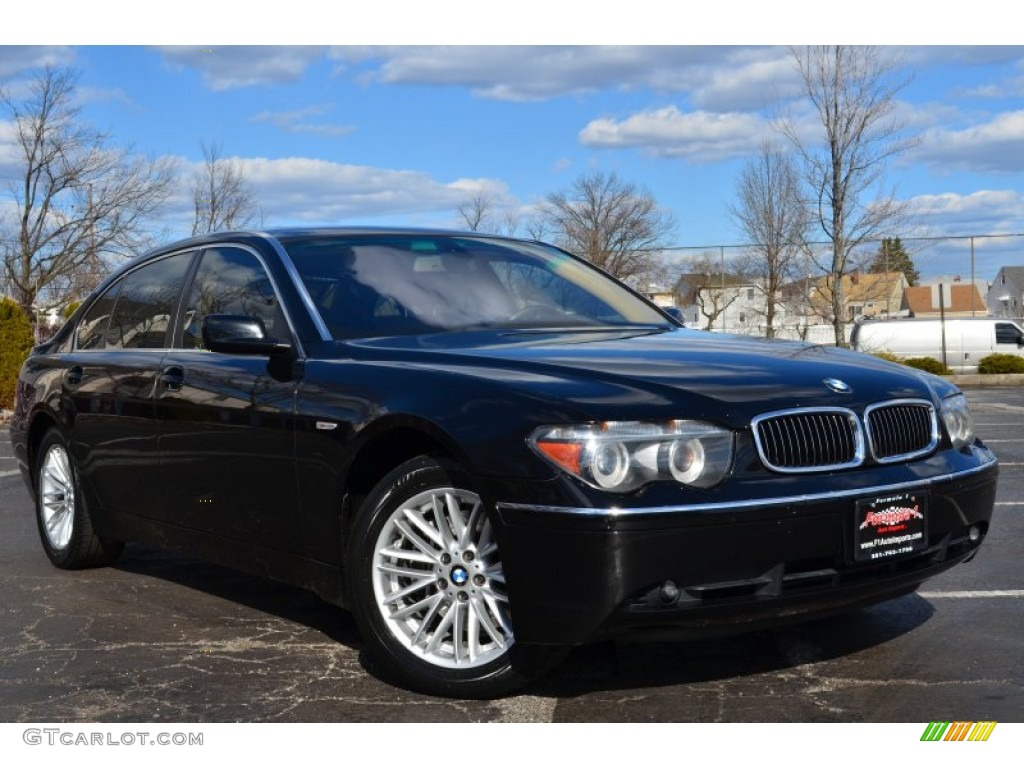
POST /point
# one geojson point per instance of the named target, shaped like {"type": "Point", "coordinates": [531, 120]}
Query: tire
{"type": "Point", "coordinates": [65, 526]}
{"type": "Point", "coordinates": [428, 590]}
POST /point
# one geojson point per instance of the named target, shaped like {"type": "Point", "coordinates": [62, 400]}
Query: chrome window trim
{"type": "Point", "coordinates": [935, 434]}
{"type": "Point", "coordinates": [300, 286]}
{"type": "Point", "coordinates": [773, 501]}
{"type": "Point", "coordinates": [858, 436]}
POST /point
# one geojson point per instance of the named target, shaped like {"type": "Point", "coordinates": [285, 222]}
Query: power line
{"type": "Point", "coordinates": [931, 238]}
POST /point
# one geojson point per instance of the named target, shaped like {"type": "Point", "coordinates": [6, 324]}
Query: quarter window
{"type": "Point", "coordinates": [92, 330]}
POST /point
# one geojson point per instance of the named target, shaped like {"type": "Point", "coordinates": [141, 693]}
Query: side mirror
{"type": "Point", "coordinates": [675, 313]}
{"type": "Point", "coordinates": [239, 335]}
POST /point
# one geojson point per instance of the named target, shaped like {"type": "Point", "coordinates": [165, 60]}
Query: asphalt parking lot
{"type": "Point", "coordinates": [164, 638]}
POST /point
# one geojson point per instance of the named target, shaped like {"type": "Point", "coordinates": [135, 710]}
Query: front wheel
{"type": "Point", "coordinates": [65, 527]}
{"type": "Point", "coordinates": [428, 586]}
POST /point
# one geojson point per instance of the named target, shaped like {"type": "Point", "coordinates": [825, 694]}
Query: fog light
{"type": "Point", "coordinates": [668, 592]}
{"type": "Point", "coordinates": [973, 533]}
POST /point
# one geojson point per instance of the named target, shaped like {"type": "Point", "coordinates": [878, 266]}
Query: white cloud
{"type": "Point", "coordinates": [993, 216]}
{"type": "Point", "coordinates": [982, 212]}
{"type": "Point", "coordinates": [89, 94]}
{"type": "Point", "coordinates": [996, 146]}
{"type": "Point", "coordinates": [714, 78]}
{"type": "Point", "coordinates": [1000, 90]}
{"type": "Point", "coordinates": [966, 55]}
{"type": "Point", "coordinates": [301, 190]}
{"type": "Point", "coordinates": [10, 152]}
{"type": "Point", "coordinates": [719, 77]}
{"type": "Point", "coordinates": [699, 137]}
{"type": "Point", "coordinates": [917, 117]}
{"type": "Point", "coordinates": [1003, 64]}
{"type": "Point", "coordinates": [237, 66]}
{"type": "Point", "coordinates": [15, 59]}
{"type": "Point", "coordinates": [298, 121]}
{"type": "Point", "coordinates": [747, 80]}
{"type": "Point", "coordinates": [502, 72]}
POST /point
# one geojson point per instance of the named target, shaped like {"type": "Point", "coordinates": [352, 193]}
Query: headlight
{"type": "Point", "coordinates": [624, 455]}
{"type": "Point", "coordinates": [957, 416]}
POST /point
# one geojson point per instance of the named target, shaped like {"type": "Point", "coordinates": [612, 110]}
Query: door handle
{"type": "Point", "coordinates": [73, 375]}
{"type": "Point", "coordinates": [173, 377]}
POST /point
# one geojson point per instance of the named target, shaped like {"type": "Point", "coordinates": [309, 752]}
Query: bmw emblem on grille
{"type": "Point", "coordinates": [836, 385]}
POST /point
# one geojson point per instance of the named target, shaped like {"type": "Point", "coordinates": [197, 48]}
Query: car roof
{"type": "Point", "coordinates": [363, 230]}
{"type": "Point", "coordinates": [284, 233]}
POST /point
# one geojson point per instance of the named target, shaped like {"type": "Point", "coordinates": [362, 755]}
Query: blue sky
{"type": "Point", "coordinates": [402, 134]}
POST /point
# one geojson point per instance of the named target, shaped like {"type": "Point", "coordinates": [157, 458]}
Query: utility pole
{"type": "Point", "coordinates": [974, 288]}
{"type": "Point", "coordinates": [942, 322]}
{"type": "Point", "coordinates": [725, 305]}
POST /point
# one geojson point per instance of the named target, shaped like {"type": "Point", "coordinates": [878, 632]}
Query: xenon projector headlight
{"type": "Point", "coordinates": [956, 415]}
{"type": "Point", "coordinates": [624, 455]}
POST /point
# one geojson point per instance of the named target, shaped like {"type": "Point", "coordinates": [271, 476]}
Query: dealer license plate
{"type": "Point", "coordinates": [890, 526]}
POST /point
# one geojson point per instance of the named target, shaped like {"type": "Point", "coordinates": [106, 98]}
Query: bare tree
{"type": "Point", "coordinates": [477, 211]}
{"type": "Point", "coordinates": [535, 228]}
{"type": "Point", "coordinates": [706, 286]}
{"type": "Point", "coordinates": [853, 90]}
{"type": "Point", "coordinates": [511, 221]}
{"type": "Point", "coordinates": [221, 198]}
{"type": "Point", "coordinates": [76, 198]}
{"type": "Point", "coordinates": [713, 301]}
{"type": "Point", "coordinates": [610, 222]}
{"type": "Point", "coordinates": [482, 213]}
{"type": "Point", "coordinates": [774, 219]}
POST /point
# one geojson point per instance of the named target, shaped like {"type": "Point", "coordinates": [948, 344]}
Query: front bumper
{"type": "Point", "coordinates": [577, 574]}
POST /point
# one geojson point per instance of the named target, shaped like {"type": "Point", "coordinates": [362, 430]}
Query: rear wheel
{"type": "Point", "coordinates": [65, 527]}
{"type": "Point", "coordinates": [428, 586]}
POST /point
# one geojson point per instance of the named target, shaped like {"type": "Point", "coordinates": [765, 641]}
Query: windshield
{"type": "Point", "coordinates": [384, 285]}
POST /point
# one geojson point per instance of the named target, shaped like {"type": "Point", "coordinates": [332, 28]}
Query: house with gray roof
{"type": "Point", "coordinates": [1006, 294]}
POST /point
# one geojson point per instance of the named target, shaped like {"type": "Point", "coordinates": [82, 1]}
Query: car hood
{"type": "Point", "coordinates": [744, 375]}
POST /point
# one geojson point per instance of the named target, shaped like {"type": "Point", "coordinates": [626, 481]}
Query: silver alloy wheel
{"type": "Point", "coordinates": [438, 580]}
{"type": "Point", "coordinates": [57, 497]}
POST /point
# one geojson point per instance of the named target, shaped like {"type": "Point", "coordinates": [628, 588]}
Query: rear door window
{"type": "Point", "coordinates": [147, 303]}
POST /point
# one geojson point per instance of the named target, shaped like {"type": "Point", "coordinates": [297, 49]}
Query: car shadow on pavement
{"type": "Point", "coordinates": [612, 666]}
{"type": "Point", "coordinates": [292, 604]}
{"type": "Point", "coordinates": [606, 666]}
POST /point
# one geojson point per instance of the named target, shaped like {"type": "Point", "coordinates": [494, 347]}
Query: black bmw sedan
{"type": "Point", "coordinates": [486, 449]}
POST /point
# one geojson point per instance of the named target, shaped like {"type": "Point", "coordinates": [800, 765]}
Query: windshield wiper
{"type": "Point", "coordinates": [587, 329]}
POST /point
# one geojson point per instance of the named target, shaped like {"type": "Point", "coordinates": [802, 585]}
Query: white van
{"type": "Point", "coordinates": [968, 339]}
